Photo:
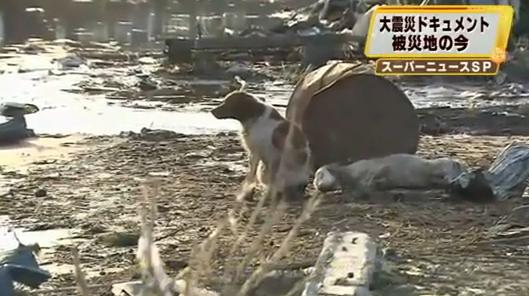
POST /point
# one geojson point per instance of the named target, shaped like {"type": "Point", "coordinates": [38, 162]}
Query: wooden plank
{"type": "Point", "coordinates": [259, 42]}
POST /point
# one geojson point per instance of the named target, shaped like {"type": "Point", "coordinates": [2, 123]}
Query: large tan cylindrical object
{"type": "Point", "coordinates": [349, 114]}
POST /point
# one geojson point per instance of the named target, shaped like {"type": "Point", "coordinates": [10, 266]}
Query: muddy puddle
{"type": "Point", "coordinates": [64, 112]}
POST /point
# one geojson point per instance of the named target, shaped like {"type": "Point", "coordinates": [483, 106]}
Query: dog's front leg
{"type": "Point", "coordinates": [248, 185]}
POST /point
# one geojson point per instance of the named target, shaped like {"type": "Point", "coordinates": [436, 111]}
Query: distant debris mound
{"type": "Point", "coordinates": [155, 135]}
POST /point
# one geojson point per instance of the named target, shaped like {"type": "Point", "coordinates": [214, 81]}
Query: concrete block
{"type": "Point", "coordinates": [346, 266]}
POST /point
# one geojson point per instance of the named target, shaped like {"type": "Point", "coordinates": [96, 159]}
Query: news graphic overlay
{"type": "Point", "coordinates": [439, 39]}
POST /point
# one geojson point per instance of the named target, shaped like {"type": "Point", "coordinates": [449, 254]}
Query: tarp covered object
{"type": "Point", "coordinates": [506, 177]}
{"type": "Point", "coordinates": [15, 128]}
{"type": "Point", "coordinates": [350, 114]}
{"type": "Point", "coordinates": [18, 264]}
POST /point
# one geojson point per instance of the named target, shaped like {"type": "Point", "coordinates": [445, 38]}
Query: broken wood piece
{"type": "Point", "coordinates": [346, 266]}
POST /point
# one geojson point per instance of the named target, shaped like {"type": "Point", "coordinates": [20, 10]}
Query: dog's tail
{"type": "Point", "coordinates": [241, 82]}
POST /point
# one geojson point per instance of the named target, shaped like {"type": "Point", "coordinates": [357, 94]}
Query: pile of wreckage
{"type": "Point", "coordinates": [353, 15]}
{"type": "Point", "coordinates": [337, 23]}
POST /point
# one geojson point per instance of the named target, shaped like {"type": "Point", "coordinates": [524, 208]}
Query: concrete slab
{"type": "Point", "coordinates": [346, 266]}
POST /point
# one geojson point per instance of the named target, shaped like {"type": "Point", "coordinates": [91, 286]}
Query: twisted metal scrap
{"type": "Point", "coordinates": [509, 172]}
{"type": "Point", "coordinates": [506, 177]}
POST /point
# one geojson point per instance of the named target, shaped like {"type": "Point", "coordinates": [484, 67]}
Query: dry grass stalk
{"type": "Point", "coordinates": [256, 245]}
{"type": "Point", "coordinates": [200, 261]}
{"type": "Point", "coordinates": [232, 223]}
{"type": "Point", "coordinates": [265, 267]}
{"type": "Point", "coordinates": [155, 280]}
{"type": "Point", "coordinates": [250, 224]}
{"type": "Point", "coordinates": [309, 208]}
{"type": "Point", "coordinates": [158, 283]}
{"type": "Point", "coordinates": [208, 247]}
{"type": "Point", "coordinates": [240, 237]}
{"type": "Point", "coordinates": [79, 275]}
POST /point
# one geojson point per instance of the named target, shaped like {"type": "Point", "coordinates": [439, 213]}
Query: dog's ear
{"type": "Point", "coordinates": [241, 82]}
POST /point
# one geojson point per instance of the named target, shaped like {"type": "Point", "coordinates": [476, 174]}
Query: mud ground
{"type": "Point", "coordinates": [438, 246]}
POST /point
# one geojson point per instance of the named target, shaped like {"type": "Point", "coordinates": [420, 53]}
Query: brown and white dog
{"type": "Point", "coordinates": [278, 150]}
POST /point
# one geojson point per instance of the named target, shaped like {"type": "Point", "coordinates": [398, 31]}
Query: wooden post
{"type": "Point", "coordinates": [159, 8]}
{"type": "Point", "coordinates": [14, 20]}
{"type": "Point", "coordinates": [191, 6]}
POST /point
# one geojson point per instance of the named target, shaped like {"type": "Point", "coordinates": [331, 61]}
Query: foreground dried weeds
{"type": "Point", "coordinates": [156, 282]}
{"type": "Point", "coordinates": [438, 246]}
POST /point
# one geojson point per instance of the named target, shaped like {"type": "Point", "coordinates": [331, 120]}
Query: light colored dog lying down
{"type": "Point", "coordinates": [404, 171]}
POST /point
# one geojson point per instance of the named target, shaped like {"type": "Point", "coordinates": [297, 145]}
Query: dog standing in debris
{"type": "Point", "coordinates": [279, 154]}
{"type": "Point", "coordinates": [405, 171]}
